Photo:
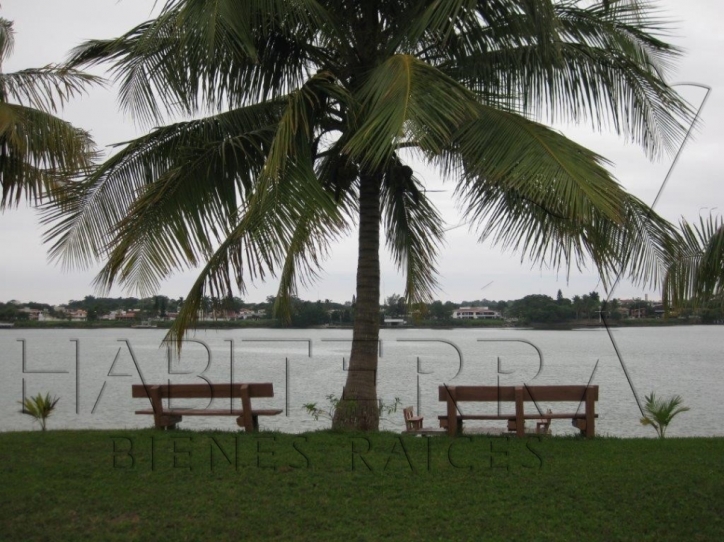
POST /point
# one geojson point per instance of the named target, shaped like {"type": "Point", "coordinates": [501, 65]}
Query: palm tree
{"type": "Point", "coordinates": [315, 108]}
{"type": "Point", "coordinates": [695, 273]}
{"type": "Point", "coordinates": [38, 151]}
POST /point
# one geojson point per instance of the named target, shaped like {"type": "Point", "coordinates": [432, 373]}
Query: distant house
{"type": "Point", "coordinates": [206, 316]}
{"type": "Point", "coordinates": [250, 314]}
{"type": "Point", "coordinates": [78, 315]}
{"type": "Point", "coordinates": [33, 314]}
{"type": "Point", "coordinates": [395, 322]}
{"type": "Point", "coordinates": [475, 313]}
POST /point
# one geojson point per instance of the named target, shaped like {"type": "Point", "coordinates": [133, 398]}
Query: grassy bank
{"type": "Point", "coordinates": [70, 485]}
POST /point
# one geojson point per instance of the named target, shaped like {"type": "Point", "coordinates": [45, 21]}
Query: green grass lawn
{"type": "Point", "coordinates": [85, 485]}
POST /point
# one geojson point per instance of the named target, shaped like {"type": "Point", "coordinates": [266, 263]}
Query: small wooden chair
{"type": "Point", "coordinates": [544, 425]}
{"type": "Point", "coordinates": [412, 422]}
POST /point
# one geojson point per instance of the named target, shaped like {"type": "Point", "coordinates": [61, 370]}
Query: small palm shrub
{"type": "Point", "coordinates": [335, 403]}
{"type": "Point", "coordinates": [39, 407]}
{"type": "Point", "coordinates": [660, 412]}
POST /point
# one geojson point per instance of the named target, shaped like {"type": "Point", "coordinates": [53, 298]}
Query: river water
{"type": "Point", "coordinates": [92, 372]}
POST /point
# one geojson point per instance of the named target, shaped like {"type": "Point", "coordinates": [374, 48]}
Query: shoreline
{"type": "Point", "coordinates": [577, 326]}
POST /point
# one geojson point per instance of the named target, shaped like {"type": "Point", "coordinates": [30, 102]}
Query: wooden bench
{"type": "Point", "coordinates": [247, 417]}
{"type": "Point", "coordinates": [454, 395]}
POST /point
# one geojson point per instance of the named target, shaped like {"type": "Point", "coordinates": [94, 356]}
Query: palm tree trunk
{"type": "Point", "coordinates": [358, 408]}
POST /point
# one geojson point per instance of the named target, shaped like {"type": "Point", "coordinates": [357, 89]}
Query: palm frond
{"type": "Point", "coordinates": [290, 223]}
{"type": "Point", "coordinates": [711, 276]}
{"type": "Point", "coordinates": [7, 39]}
{"type": "Point", "coordinates": [639, 247]}
{"type": "Point", "coordinates": [321, 221]}
{"type": "Point", "coordinates": [47, 88]}
{"type": "Point", "coordinates": [39, 153]}
{"type": "Point", "coordinates": [207, 56]}
{"type": "Point", "coordinates": [603, 62]}
{"type": "Point", "coordinates": [509, 151]}
{"type": "Point", "coordinates": [696, 270]}
{"type": "Point", "coordinates": [413, 229]}
{"type": "Point", "coordinates": [299, 125]}
{"type": "Point", "coordinates": [441, 20]}
{"type": "Point", "coordinates": [407, 98]}
{"type": "Point", "coordinates": [534, 191]}
{"type": "Point", "coordinates": [151, 190]}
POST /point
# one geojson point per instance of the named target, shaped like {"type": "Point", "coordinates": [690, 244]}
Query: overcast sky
{"type": "Point", "coordinates": [47, 29]}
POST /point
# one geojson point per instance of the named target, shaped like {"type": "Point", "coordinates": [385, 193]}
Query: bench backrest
{"type": "Point", "coordinates": [507, 393]}
{"type": "Point", "coordinates": [204, 391]}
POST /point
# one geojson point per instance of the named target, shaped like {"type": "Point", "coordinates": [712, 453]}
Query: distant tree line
{"type": "Point", "coordinates": [529, 309]}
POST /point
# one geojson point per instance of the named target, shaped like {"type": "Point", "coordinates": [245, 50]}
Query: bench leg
{"type": "Point", "coordinates": [161, 419]}
{"type": "Point", "coordinates": [519, 412]}
{"type": "Point", "coordinates": [579, 424]}
{"type": "Point", "coordinates": [241, 422]}
{"type": "Point", "coordinates": [590, 415]}
{"type": "Point", "coordinates": [444, 424]}
{"type": "Point", "coordinates": [167, 422]}
{"type": "Point", "coordinates": [452, 427]}
{"type": "Point", "coordinates": [246, 419]}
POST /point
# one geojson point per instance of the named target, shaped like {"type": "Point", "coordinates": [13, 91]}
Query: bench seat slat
{"type": "Point", "coordinates": [512, 416]}
{"type": "Point", "coordinates": [204, 391]}
{"type": "Point", "coordinates": [211, 412]}
{"type": "Point", "coordinates": [507, 393]}
{"type": "Point", "coordinates": [266, 412]}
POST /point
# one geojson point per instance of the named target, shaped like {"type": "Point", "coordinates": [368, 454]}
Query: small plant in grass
{"type": "Point", "coordinates": [39, 407]}
{"type": "Point", "coordinates": [335, 402]}
{"type": "Point", "coordinates": [660, 412]}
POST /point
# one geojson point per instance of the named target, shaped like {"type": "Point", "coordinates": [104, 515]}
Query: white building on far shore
{"type": "Point", "coordinates": [475, 313]}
